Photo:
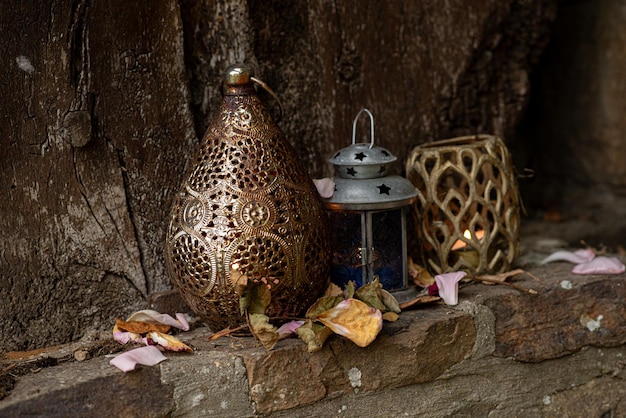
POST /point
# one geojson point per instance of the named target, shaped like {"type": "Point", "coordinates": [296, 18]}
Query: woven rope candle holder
{"type": "Point", "coordinates": [468, 210]}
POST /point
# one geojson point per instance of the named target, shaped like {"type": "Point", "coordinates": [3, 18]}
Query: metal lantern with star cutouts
{"type": "Point", "coordinates": [368, 217]}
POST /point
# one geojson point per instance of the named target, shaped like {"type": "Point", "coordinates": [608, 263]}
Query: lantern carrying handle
{"type": "Point", "coordinates": [271, 92]}
{"type": "Point", "coordinates": [371, 126]}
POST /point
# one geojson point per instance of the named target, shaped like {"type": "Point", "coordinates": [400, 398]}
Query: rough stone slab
{"type": "Point", "coordinates": [207, 384]}
{"type": "Point", "coordinates": [604, 397]}
{"type": "Point", "coordinates": [489, 386]}
{"type": "Point", "coordinates": [90, 389]}
{"type": "Point", "coordinates": [560, 320]}
{"type": "Point", "coordinates": [428, 341]}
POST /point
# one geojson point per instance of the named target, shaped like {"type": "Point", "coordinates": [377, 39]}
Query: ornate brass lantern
{"type": "Point", "coordinates": [368, 217]}
{"type": "Point", "coordinates": [246, 211]}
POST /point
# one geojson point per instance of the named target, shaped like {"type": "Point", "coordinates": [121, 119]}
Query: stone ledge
{"type": "Point", "coordinates": [499, 350]}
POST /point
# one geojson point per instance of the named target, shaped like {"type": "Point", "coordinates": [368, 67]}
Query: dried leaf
{"type": "Point", "coordinates": [499, 278]}
{"type": "Point", "coordinates": [333, 290]}
{"type": "Point", "coordinates": [348, 291]}
{"type": "Point", "coordinates": [420, 300]}
{"type": "Point", "coordinates": [371, 294]}
{"type": "Point", "coordinates": [139, 327]}
{"type": "Point", "coordinates": [147, 356]}
{"type": "Point", "coordinates": [255, 299]}
{"type": "Point", "coordinates": [354, 320]}
{"type": "Point", "coordinates": [262, 330]}
{"type": "Point", "coordinates": [314, 335]}
{"type": "Point", "coordinates": [421, 277]}
{"type": "Point", "coordinates": [390, 316]}
{"type": "Point", "coordinates": [322, 305]}
{"type": "Point", "coordinates": [167, 341]}
{"type": "Point", "coordinates": [151, 316]}
{"type": "Point", "coordinates": [238, 280]}
{"type": "Point", "coordinates": [390, 302]}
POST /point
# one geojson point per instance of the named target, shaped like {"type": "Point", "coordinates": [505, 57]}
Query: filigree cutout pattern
{"type": "Point", "coordinates": [467, 213]}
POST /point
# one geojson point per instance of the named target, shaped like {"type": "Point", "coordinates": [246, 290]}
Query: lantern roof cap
{"type": "Point", "coordinates": [362, 160]}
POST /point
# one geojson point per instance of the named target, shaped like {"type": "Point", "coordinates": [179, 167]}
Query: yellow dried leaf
{"type": "Point", "coordinates": [354, 320]}
{"type": "Point", "coordinates": [390, 316]}
{"type": "Point", "coordinates": [168, 342]}
{"type": "Point", "coordinates": [421, 277]}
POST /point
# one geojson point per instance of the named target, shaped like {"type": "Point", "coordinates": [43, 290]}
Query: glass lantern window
{"type": "Point", "coordinates": [369, 244]}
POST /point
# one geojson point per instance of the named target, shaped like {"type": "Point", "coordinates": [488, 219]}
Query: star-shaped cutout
{"type": "Point", "coordinates": [360, 156]}
{"type": "Point", "coordinates": [384, 189]}
{"type": "Point", "coordinates": [351, 171]}
{"type": "Point", "coordinates": [385, 153]}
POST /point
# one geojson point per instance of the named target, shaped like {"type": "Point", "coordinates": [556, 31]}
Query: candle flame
{"type": "Point", "coordinates": [459, 244]}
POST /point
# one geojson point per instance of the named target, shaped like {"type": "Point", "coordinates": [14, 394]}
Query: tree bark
{"type": "Point", "coordinates": [96, 128]}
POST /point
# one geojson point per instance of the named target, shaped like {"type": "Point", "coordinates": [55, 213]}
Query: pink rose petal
{"type": "Point", "coordinates": [448, 285]}
{"type": "Point", "coordinates": [149, 315]}
{"type": "Point", "coordinates": [576, 257]}
{"type": "Point", "coordinates": [325, 187]}
{"type": "Point", "coordinates": [147, 356]}
{"type": "Point", "coordinates": [600, 265]}
{"type": "Point", "coordinates": [288, 328]}
{"type": "Point", "coordinates": [125, 337]}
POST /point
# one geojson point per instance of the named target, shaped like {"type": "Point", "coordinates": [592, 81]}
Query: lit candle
{"type": "Point", "coordinates": [459, 244]}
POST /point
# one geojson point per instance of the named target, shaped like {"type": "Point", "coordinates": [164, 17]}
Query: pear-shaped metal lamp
{"type": "Point", "coordinates": [247, 211]}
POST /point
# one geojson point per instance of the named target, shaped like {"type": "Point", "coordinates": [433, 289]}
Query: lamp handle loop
{"type": "Point", "coordinates": [371, 126]}
{"type": "Point", "coordinates": [271, 92]}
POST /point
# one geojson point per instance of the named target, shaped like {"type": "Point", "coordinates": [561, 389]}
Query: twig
{"type": "Point", "coordinates": [227, 331]}
{"type": "Point", "coordinates": [514, 286]}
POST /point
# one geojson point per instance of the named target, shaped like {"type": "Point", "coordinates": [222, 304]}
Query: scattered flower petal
{"type": "Point", "coordinates": [354, 320]}
{"type": "Point", "coordinates": [576, 257]}
{"type": "Point", "coordinates": [148, 315]}
{"type": "Point", "coordinates": [325, 187]}
{"type": "Point", "coordinates": [125, 337]}
{"type": "Point", "coordinates": [600, 265]}
{"type": "Point", "coordinates": [147, 356]}
{"type": "Point", "coordinates": [288, 328]}
{"type": "Point", "coordinates": [448, 285]}
{"type": "Point", "coordinates": [167, 341]}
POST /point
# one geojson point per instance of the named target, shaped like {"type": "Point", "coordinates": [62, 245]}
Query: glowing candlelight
{"type": "Point", "coordinates": [459, 244]}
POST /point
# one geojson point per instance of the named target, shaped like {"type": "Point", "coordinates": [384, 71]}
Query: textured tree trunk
{"type": "Point", "coordinates": [103, 103]}
{"type": "Point", "coordinates": [95, 132]}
